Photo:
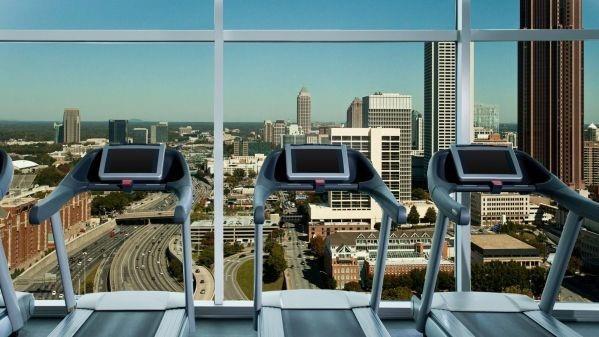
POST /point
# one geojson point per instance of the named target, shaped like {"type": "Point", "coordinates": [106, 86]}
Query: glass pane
{"type": "Point", "coordinates": [63, 100]}
{"type": "Point", "coordinates": [484, 13]}
{"type": "Point", "coordinates": [338, 14]}
{"type": "Point", "coordinates": [106, 14]}
{"type": "Point", "coordinates": [319, 93]}
{"type": "Point", "coordinates": [528, 227]}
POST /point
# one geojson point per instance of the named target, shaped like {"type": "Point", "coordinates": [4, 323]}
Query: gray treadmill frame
{"type": "Point", "coordinates": [8, 291]}
{"type": "Point", "coordinates": [376, 188]}
{"type": "Point", "coordinates": [449, 209]}
{"type": "Point", "coordinates": [70, 187]}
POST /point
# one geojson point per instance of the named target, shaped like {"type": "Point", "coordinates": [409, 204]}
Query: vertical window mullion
{"type": "Point", "coordinates": [218, 152]}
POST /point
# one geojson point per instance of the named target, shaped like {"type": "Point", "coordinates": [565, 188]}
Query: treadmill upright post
{"type": "Point", "coordinates": [188, 278]}
{"type": "Point", "coordinates": [381, 261]}
{"type": "Point", "coordinates": [560, 262]}
{"type": "Point", "coordinates": [63, 261]}
{"type": "Point", "coordinates": [258, 255]}
{"type": "Point", "coordinates": [432, 271]}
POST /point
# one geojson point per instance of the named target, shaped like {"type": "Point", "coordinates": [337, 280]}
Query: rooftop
{"type": "Point", "coordinates": [501, 245]}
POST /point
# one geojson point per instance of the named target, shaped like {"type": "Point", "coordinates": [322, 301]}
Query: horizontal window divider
{"type": "Point", "coordinates": [126, 35]}
{"type": "Point", "coordinates": [485, 35]}
{"type": "Point", "coordinates": [339, 35]}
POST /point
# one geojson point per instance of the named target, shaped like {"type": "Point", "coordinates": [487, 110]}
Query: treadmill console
{"type": "Point", "coordinates": [317, 162]}
{"type": "Point", "coordinates": [486, 163]}
{"type": "Point", "coordinates": [132, 162]}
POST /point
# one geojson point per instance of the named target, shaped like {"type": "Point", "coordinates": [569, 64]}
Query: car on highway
{"type": "Point", "coordinates": [202, 281]}
{"type": "Point", "coordinates": [53, 292]}
{"type": "Point", "coordinates": [61, 296]}
{"type": "Point", "coordinates": [203, 291]}
{"type": "Point", "coordinates": [79, 263]}
{"type": "Point", "coordinates": [89, 259]}
{"type": "Point", "coordinates": [161, 273]}
{"type": "Point", "coordinates": [303, 263]}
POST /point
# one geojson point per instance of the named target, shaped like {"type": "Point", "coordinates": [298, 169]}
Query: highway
{"type": "Point", "coordinates": [232, 263]}
{"type": "Point", "coordinates": [132, 242]}
{"type": "Point", "coordinates": [301, 269]}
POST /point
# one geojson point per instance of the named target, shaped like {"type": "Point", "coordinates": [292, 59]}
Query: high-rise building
{"type": "Point", "coordinates": [304, 110]}
{"type": "Point", "coordinates": [240, 147]}
{"type": "Point", "coordinates": [140, 136]}
{"type": "Point", "coordinates": [550, 90]}
{"type": "Point", "coordinates": [279, 129]}
{"type": "Point", "coordinates": [417, 133]}
{"type": "Point", "coordinates": [293, 139]}
{"type": "Point", "coordinates": [486, 116]}
{"type": "Point", "coordinates": [268, 133]}
{"type": "Point", "coordinates": [159, 133]}
{"type": "Point", "coordinates": [386, 150]}
{"type": "Point", "coordinates": [117, 131]}
{"type": "Point", "coordinates": [439, 97]}
{"type": "Point", "coordinates": [393, 110]}
{"type": "Point", "coordinates": [512, 137]}
{"type": "Point", "coordinates": [591, 163]}
{"type": "Point", "coordinates": [591, 134]}
{"type": "Point", "coordinates": [58, 133]}
{"type": "Point", "coordinates": [294, 130]}
{"type": "Point", "coordinates": [71, 122]}
{"type": "Point", "coordinates": [354, 114]}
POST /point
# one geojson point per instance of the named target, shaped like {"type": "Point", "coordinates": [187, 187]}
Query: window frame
{"type": "Point", "coordinates": [463, 35]}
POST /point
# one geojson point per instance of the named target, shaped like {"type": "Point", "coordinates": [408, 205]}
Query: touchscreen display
{"type": "Point", "coordinates": [317, 161]}
{"type": "Point", "coordinates": [486, 162]}
{"type": "Point", "coordinates": [132, 160]}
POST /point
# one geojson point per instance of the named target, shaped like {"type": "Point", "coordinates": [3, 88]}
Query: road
{"type": "Point", "coordinates": [302, 269]}
{"type": "Point", "coordinates": [232, 263]}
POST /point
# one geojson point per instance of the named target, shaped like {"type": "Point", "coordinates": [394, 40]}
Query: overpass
{"type": "Point", "coordinates": [144, 217]}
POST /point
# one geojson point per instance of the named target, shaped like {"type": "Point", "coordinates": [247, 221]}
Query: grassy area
{"type": "Point", "coordinates": [245, 279]}
{"type": "Point", "coordinates": [89, 280]}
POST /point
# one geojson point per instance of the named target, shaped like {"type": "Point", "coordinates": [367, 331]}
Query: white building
{"type": "Point", "coordinates": [491, 209]}
{"type": "Point", "coordinates": [591, 163]}
{"type": "Point", "coordinates": [439, 97]}
{"type": "Point", "coordinates": [236, 229]}
{"type": "Point", "coordinates": [246, 163]}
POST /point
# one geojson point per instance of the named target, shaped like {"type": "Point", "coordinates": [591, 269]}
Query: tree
{"type": "Point", "coordinates": [420, 194]}
{"type": "Point", "coordinates": [274, 264]}
{"type": "Point", "coordinates": [397, 294]}
{"type": "Point", "coordinates": [431, 215]}
{"type": "Point", "coordinates": [317, 245]}
{"type": "Point", "coordinates": [352, 286]}
{"type": "Point", "coordinates": [252, 174]}
{"type": "Point", "coordinates": [49, 176]}
{"type": "Point", "coordinates": [413, 216]}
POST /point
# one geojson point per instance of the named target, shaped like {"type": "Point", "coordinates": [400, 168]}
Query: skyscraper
{"type": "Point", "coordinates": [71, 121]}
{"type": "Point", "coordinates": [58, 133]}
{"type": "Point", "coordinates": [439, 97]}
{"type": "Point", "coordinates": [591, 133]}
{"type": "Point", "coordinates": [485, 116]}
{"type": "Point", "coordinates": [550, 90]}
{"type": "Point", "coordinates": [354, 114]}
{"type": "Point", "coordinates": [268, 133]}
{"type": "Point", "coordinates": [417, 133]}
{"type": "Point", "coordinates": [591, 163]}
{"type": "Point", "coordinates": [304, 110]}
{"type": "Point", "coordinates": [159, 133]}
{"type": "Point", "coordinates": [279, 129]}
{"type": "Point", "coordinates": [140, 136]}
{"type": "Point", "coordinates": [240, 147]}
{"type": "Point", "coordinates": [117, 131]}
{"type": "Point", "coordinates": [392, 110]}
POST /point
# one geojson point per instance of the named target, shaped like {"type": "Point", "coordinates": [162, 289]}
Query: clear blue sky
{"type": "Point", "coordinates": [174, 81]}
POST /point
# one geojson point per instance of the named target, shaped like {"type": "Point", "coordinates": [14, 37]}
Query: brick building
{"type": "Point", "coordinates": [25, 243]}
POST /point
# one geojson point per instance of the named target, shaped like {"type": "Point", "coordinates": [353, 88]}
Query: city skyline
{"type": "Point", "coordinates": [110, 81]}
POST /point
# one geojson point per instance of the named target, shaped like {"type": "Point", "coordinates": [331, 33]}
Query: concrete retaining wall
{"type": "Point", "coordinates": [49, 261]}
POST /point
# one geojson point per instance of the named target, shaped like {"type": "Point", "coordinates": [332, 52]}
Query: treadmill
{"type": "Point", "coordinates": [16, 307]}
{"type": "Point", "coordinates": [125, 313]}
{"type": "Point", "coordinates": [297, 313]}
{"type": "Point", "coordinates": [494, 169]}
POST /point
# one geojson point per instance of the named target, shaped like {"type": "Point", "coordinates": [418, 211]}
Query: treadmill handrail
{"type": "Point", "coordinates": [452, 209]}
{"type": "Point", "coordinates": [52, 204]}
{"type": "Point", "coordinates": [6, 286]}
{"type": "Point", "coordinates": [569, 199]}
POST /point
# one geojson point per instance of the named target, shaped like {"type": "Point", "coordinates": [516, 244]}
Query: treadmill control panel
{"type": "Point", "coordinates": [486, 163]}
{"type": "Point", "coordinates": [132, 162]}
{"type": "Point", "coordinates": [316, 162]}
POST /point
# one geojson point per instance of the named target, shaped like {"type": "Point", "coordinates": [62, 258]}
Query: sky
{"type": "Point", "coordinates": [174, 81]}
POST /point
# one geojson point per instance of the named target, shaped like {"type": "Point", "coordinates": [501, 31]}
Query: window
{"type": "Point", "coordinates": [117, 93]}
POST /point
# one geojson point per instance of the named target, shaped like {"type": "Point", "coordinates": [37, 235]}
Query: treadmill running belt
{"type": "Point", "coordinates": [313, 323]}
{"type": "Point", "coordinates": [501, 324]}
{"type": "Point", "coordinates": [121, 323]}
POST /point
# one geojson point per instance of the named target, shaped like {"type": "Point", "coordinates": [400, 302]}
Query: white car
{"type": "Point", "coordinates": [53, 292]}
{"type": "Point", "coordinates": [61, 296]}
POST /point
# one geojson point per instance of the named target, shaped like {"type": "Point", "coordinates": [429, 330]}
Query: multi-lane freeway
{"type": "Point", "coordinates": [137, 245]}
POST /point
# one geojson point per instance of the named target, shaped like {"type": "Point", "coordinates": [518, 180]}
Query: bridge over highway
{"type": "Point", "coordinates": [144, 217]}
